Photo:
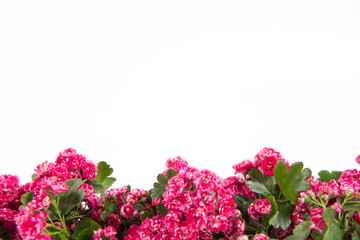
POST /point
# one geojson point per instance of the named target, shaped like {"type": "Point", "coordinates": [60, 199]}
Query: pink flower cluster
{"type": "Point", "coordinates": [265, 161]}
{"type": "Point", "coordinates": [192, 203]}
{"type": "Point", "coordinates": [197, 205]}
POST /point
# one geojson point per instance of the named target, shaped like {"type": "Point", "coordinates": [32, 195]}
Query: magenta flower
{"type": "Point", "coordinates": [260, 236]}
{"type": "Point", "coordinates": [263, 206]}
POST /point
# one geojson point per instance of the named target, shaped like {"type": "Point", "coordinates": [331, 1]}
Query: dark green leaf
{"type": "Point", "coordinates": [145, 214]}
{"type": "Point", "coordinates": [261, 183]}
{"type": "Point", "coordinates": [171, 173]}
{"type": "Point", "coordinates": [157, 192]}
{"type": "Point", "coordinates": [283, 217]}
{"type": "Point", "coordinates": [162, 180]}
{"type": "Point", "coordinates": [85, 229]}
{"type": "Point", "coordinates": [72, 197]}
{"type": "Point", "coordinates": [102, 175]}
{"type": "Point", "coordinates": [301, 231]}
{"type": "Point", "coordinates": [110, 206]}
{"type": "Point", "coordinates": [162, 209]}
{"type": "Point", "coordinates": [284, 181]}
{"type": "Point", "coordinates": [326, 176]}
{"type": "Point", "coordinates": [242, 203]}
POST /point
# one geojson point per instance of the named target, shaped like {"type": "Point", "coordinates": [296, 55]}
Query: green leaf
{"type": "Point", "coordinates": [293, 180]}
{"type": "Point", "coordinates": [85, 229]}
{"type": "Point", "coordinates": [162, 180]}
{"type": "Point", "coordinates": [261, 183]}
{"type": "Point", "coordinates": [274, 206]}
{"type": "Point", "coordinates": [110, 206]}
{"type": "Point", "coordinates": [27, 197]}
{"type": "Point", "coordinates": [301, 231]}
{"type": "Point", "coordinates": [72, 197]}
{"type": "Point", "coordinates": [102, 175]}
{"type": "Point", "coordinates": [326, 176]}
{"type": "Point", "coordinates": [162, 209]}
{"type": "Point", "coordinates": [283, 217]}
{"type": "Point", "coordinates": [334, 232]}
{"type": "Point", "coordinates": [284, 181]}
{"type": "Point", "coordinates": [243, 203]}
{"type": "Point", "coordinates": [329, 216]}
{"type": "Point", "coordinates": [351, 206]}
{"type": "Point", "coordinates": [157, 192]}
{"type": "Point", "coordinates": [171, 173]}
{"type": "Point", "coordinates": [144, 215]}
{"type": "Point", "coordinates": [355, 236]}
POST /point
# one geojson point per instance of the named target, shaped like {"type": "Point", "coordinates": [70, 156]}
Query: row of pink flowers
{"type": "Point", "coordinates": [190, 204]}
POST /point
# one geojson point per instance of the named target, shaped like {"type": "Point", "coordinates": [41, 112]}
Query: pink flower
{"type": "Point", "coordinates": [296, 218]}
{"type": "Point", "coordinates": [113, 220]}
{"type": "Point", "coordinates": [260, 236]}
{"type": "Point", "coordinates": [337, 207]}
{"type": "Point", "coordinates": [253, 213]}
{"type": "Point", "coordinates": [29, 225]}
{"type": "Point", "coordinates": [357, 159]}
{"type": "Point", "coordinates": [98, 233]}
{"type": "Point", "coordinates": [155, 202]}
{"type": "Point", "coordinates": [267, 158]}
{"type": "Point", "coordinates": [263, 206]}
{"type": "Point", "coordinates": [226, 206]}
{"type": "Point", "coordinates": [59, 187]}
{"type": "Point", "coordinates": [176, 163]}
{"type": "Point", "coordinates": [109, 232]}
{"type": "Point", "coordinates": [317, 219]}
{"type": "Point", "coordinates": [131, 198]}
{"type": "Point", "coordinates": [9, 185]}
{"type": "Point", "coordinates": [242, 237]}
{"type": "Point", "coordinates": [216, 223]}
{"type": "Point", "coordinates": [7, 218]}
{"type": "Point", "coordinates": [172, 220]}
{"type": "Point", "coordinates": [243, 166]}
{"type": "Point", "coordinates": [127, 210]}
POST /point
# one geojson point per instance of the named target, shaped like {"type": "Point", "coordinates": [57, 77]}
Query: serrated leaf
{"type": "Point", "coordinates": [162, 180]}
{"type": "Point", "coordinates": [162, 209]}
{"type": "Point", "coordinates": [110, 206]}
{"type": "Point", "coordinates": [283, 216]}
{"type": "Point", "coordinates": [157, 192]}
{"type": "Point", "coordinates": [102, 175]}
{"type": "Point", "coordinates": [171, 173]}
{"type": "Point", "coordinates": [284, 181]}
{"type": "Point", "coordinates": [301, 231]}
{"type": "Point", "coordinates": [326, 176]}
{"type": "Point", "coordinates": [261, 183]}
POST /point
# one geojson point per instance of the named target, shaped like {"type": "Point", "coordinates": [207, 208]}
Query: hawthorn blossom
{"type": "Point", "coordinates": [260, 236]}
{"type": "Point", "coordinates": [263, 206]}
{"type": "Point", "coordinates": [317, 219]}
{"type": "Point", "coordinates": [127, 210]}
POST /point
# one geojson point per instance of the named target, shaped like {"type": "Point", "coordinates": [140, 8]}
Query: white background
{"type": "Point", "coordinates": [135, 82]}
